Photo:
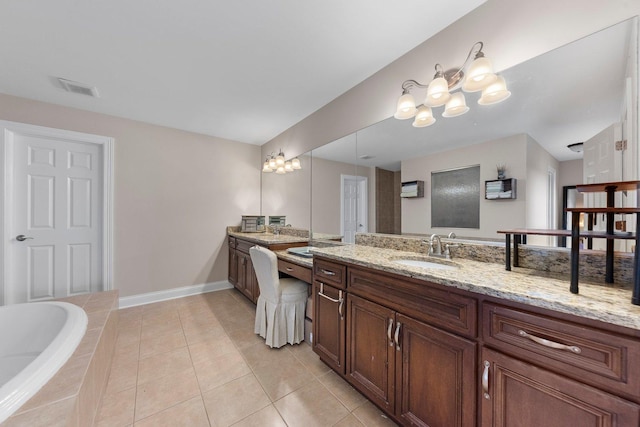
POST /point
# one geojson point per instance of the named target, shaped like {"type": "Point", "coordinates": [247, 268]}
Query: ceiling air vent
{"type": "Point", "coordinates": [80, 88]}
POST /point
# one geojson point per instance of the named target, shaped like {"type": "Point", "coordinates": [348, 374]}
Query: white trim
{"type": "Point", "coordinates": [6, 174]}
{"type": "Point", "coordinates": [150, 297]}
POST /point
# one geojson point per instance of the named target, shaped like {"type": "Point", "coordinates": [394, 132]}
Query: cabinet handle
{"type": "Point", "coordinates": [323, 295]}
{"type": "Point", "coordinates": [397, 336]}
{"type": "Point", "coordinates": [485, 380]}
{"type": "Point", "coordinates": [389, 328]}
{"type": "Point", "coordinates": [289, 269]}
{"type": "Point", "coordinates": [547, 343]}
{"type": "Point", "coordinates": [340, 306]}
{"type": "Point", "coordinates": [328, 272]}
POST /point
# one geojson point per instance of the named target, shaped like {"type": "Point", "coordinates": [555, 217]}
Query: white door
{"type": "Point", "coordinates": [353, 207]}
{"type": "Point", "coordinates": [55, 212]}
{"type": "Point", "coordinates": [603, 163]}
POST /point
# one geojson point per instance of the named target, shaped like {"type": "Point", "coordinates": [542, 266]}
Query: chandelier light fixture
{"type": "Point", "coordinates": [279, 165]}
{"type": "Point", "coordinates": [474, 75]}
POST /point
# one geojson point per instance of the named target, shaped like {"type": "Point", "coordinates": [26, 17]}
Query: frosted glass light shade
{"type": "Point", "coordinates": [456, 106]}
{"type": "Point", "coordinates": [281, 170]}
{"type": "Point", "coordinates": [406, 108]}
{"type": "Point", "coordinates": [288, 167]}
{"type": "Point", "coordinates": [437, 92]}
{"type": "Point", "coordinates": [272, 163]}
{"type": "Point", "coordinates": [479, 76]}
{"type": "Point", "coordinates": [424, 117]}
{"type": "Point", "coordinates": [295, 163]}
{"type": "Point", "coordinates": [495, 92]}
{"type": "Point", "coordinates": [280, 159]}
{"type": "Point", "coordinates": [266, 168]}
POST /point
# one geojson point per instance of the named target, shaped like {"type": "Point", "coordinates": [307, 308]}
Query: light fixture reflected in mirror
{"type": "Point", "coordinates": [474, 75]}
{"type": "Point", "coordinates": [576, 147]}
{"type": "Point", "coordinates": [279, 164]}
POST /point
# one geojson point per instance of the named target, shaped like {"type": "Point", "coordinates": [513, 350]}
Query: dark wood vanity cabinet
{"type": "Point", "coordinates": [371, 351]}
{"type": "Point", "coordinates": [416, 372]}
{"type": "Point", "coordinates": [247, 282]}
{"type": "Point", "coordinates": [421, 374]}
{"type": "Point", "coordinates": [435, 376]}
{"type": "Point", "coordinates": [329, 304]}
{"type": "Point", "coordinates": [539, 369]}
{"type": "Point", "coordinates": [245, 277]}
{"type": "Point", "coordinates": [329, 326]}
{"type": "Point", "coordinates": [430, 355]}
{"type": "Point", "coordinates": [517, 393]}
{"type": "Point", "coordinates": [233, 263]}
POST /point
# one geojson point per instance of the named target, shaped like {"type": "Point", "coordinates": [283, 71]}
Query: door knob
{"type": "Point", "coordinates": [22, 238]}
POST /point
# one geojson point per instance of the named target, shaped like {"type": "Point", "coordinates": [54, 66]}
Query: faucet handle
{"type": "Point", "coordinates": [447, 247]}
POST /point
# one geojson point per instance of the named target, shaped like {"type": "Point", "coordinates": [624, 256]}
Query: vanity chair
{"type": "Point", "coordinates": [281, 304]}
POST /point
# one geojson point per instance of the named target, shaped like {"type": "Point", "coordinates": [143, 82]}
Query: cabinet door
{"type": "Point", "coordinates": [517, 394]}
{"type": "Point", "coordinates": [245, 270]}
{"type": "Point", "coordinates": [371, 350]}
{"type": "Point", "coordinates": [329, 325]}
{"type": "Point", "coordinates": [233, 266]}
{"type": "Point", "coordinates": [435, 376]}
{"type": "Point", "coordinates": [252, 288]}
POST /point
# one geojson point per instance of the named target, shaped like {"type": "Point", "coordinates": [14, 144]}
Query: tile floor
{"type": "Point", "coordinates": [195, 361]}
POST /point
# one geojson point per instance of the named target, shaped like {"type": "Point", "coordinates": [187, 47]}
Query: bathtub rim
{"type": "Point", "coordinates": [35, 375]}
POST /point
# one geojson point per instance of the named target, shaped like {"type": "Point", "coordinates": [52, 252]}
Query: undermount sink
{"type": "Point", "coordinates": [424, 264]}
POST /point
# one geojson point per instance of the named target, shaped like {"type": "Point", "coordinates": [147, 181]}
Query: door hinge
{"type": "Point", "coordinates": [621, 145]}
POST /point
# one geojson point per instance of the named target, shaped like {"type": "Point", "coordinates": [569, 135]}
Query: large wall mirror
{"type": "Point", "coordinates": [582, 92]}
{"type": "Point", "coordinates": [289, 194]}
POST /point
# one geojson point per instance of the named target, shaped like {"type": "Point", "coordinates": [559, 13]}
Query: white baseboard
{"type": "Point", "coordinates": [173, 293]}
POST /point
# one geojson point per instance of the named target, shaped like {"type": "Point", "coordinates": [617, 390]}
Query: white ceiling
{"type": "Point", "coordinates": [564, 96]}
{"type": "Point", "coordinates": [244, 70]}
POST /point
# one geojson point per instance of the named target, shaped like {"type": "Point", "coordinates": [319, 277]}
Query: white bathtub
{"type": "Point", "coordinates": [36, 339]}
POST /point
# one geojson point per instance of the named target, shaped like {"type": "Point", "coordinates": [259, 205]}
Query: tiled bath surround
{"type": "Point", "coordinates": [549, 259]}
{"type": "Point", "coordinates": [72, 396]}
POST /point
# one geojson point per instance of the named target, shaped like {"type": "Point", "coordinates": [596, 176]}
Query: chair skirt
{"type": "Point", "coordinates": [282, 322]}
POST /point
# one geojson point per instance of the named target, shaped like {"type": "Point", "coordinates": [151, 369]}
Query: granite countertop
{"type": "Point", "coordinates": [268, 238]}
{"type": "Point", "coordinates": [609, 304]}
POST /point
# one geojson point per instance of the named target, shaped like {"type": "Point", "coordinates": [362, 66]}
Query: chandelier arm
{"type": "Point", "coordinates": [472, 52]}
{"type": "Point", "coordinates": [407, 85]}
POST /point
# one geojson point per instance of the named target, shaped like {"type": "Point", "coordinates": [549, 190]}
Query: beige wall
{"type": "Point", "coordinates": [513, 31]}
{"type": "Point", "coordinates": [494, 214]}
{"type": "Point", "coordinates": [174, 194]}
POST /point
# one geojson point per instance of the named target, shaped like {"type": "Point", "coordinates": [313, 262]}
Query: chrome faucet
{"type": "Point", "coordinates": [435, 249]}
{"type": "Point", "coordinates": [276, 230]}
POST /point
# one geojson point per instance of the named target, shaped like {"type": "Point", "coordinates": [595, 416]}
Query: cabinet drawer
{"type": "Point", "coordinates": [244, 245]}
{"type": "Point", "coordinates": [295, 270]}
{"type": "Point", "coordinates": [330, 272]}
{"type": "Point", "coordinates": [419, 299]}
{"type": "Point", "coordinates": [590, 355]}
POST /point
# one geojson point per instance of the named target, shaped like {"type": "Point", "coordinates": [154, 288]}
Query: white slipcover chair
{"type": "Point", "coordinates": [281, 304]}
